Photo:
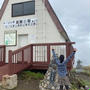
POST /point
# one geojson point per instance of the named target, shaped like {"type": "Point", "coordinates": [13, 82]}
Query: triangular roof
{"type": "Point", "coordinates": [50, 11]}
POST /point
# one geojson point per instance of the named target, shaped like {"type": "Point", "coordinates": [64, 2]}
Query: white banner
{"type": "Point", "coordinates": [20, 23]}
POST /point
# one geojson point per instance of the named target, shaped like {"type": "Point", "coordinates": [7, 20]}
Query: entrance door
{"type": "Point", "coordinates": [22, 40]}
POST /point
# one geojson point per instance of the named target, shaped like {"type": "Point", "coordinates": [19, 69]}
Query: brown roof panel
{"type": "Point", "coordinates": [3, 8]}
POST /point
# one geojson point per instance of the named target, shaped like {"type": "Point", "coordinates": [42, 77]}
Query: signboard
{"type": "Point", "coordinates": [10, 38]}
{"type": "Point", "coordinates": [20, 23]}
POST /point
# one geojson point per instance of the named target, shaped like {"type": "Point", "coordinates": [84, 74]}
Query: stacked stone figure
{"type": "Point", "coordinates": [50, 81]}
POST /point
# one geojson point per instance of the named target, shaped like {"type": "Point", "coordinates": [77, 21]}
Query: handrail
{"type": "Point", "coordinates": [2, 45]}
{"type": "Point", "coordinates": [30, 54]}
{"type": "Point", "coordinates": [40, 44]}
{"type": "Point", "coordinates": [63, 43]}
{"type": "Point", "coordinates": [18, 50]}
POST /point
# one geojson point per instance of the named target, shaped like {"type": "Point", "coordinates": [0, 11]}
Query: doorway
{"type": "Point", "coordinates": [22, 40]}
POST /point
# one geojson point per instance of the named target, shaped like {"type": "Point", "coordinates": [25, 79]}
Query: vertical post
{"type": "Point", "coordinates": [48, 54]}
{"type": "Point", "coordinates": [10, 61]}
{"type": "Point", "coordinates": [22, 56]}
{"type": "Point", "coordinates": [4, 54]}
{"type": "Point", "coordinates": [72, 60]}
{"type": "Point", "coordinates": [1, 54]}
{"type": "Point", "coordinates": [68, 51]}
{"type": "Point", "coordinates": [31, 52]}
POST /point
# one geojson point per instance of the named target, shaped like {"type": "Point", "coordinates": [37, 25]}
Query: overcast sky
{"type": "Point", "coordinates": [1, 2]}
{"type": "Point", "coordinates": [75, 17]}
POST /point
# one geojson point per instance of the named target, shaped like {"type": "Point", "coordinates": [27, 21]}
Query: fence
{"type": "Point", "coordinates": [36, 55]}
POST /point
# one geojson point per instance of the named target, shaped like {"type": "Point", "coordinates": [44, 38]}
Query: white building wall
{"type": "Point", "coordinates": [44, 32]}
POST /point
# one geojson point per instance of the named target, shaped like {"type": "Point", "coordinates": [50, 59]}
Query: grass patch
{"type": "Point", "coordinates": [73, 70]}
{"type": "Point", "coordinates": [87, 82]}
{"type": "Point", "coordinates": [73, 87]}
{"type": "Point", "coordinates": [86, 70]}
{"type": "Point", "coordinates": [30, 75]}
{"type": "Point", "coordinates": [86, 73]}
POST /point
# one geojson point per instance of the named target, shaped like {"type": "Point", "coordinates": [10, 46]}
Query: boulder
{"type": "Point", "coordinates": [9, 82]}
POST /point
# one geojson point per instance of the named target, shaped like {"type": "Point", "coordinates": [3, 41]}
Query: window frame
{"type": "Point", "coordinates": [10, 32]}
{"type": "Point", "coordinates": [23, 9]}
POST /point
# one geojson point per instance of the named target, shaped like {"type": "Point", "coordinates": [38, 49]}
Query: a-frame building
{"type": "Point", "coordinates": [28, 22]}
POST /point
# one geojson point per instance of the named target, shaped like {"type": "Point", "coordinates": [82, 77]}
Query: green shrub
{"type": "Point", "coordinates": [31, 75]}
{"type": "Point", "coordinates": [73, 87]}
{"type": "Point", "coordinates": [86, 82]}
{"type": "Point", "coordinates": [73, 70]}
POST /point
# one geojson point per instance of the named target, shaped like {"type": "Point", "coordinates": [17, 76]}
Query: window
{"type": "Point", "coordinates": [25, 8]}
{"type": "Point", "coordinates": [29, 8]}
{"type": "Point", "coordinates": [18, 10]}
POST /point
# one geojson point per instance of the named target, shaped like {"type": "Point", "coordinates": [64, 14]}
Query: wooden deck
{"type": "Point", "coordinates": [33, 56]}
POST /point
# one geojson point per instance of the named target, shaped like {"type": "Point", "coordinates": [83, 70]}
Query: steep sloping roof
{"type": "Point", "coordinates": [50, 11]}
{"type": "Point", "coordinates": [3, 8]}
{"type": "Point", "coordinates": [56, 20]}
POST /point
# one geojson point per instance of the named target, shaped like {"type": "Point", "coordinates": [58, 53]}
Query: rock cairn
{"type": "Point", "coordinates": [46, 83]}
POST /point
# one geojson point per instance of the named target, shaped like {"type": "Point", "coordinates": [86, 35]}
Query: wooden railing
{"type": "Point", "coordinates": [2, 54]}
{"type": "Point", "coordinates": [36, 54]}
{"type": "Point", "coordinates": [20, 59]}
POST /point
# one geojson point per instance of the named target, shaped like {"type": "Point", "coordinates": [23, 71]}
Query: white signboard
{"type": "Point", "coordinates": [10, 38]}
{"type": "Point", "coordinates": [20, 23]}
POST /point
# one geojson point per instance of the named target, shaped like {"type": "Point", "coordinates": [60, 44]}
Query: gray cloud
{"type": "Point", "coordinates": [74, 15]}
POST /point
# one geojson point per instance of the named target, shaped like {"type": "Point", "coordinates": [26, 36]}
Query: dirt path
{"type": "Point", "coordinates": [28, 85]}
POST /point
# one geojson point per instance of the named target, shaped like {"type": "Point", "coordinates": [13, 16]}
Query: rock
{"type": "Point", "coordinates": [86, 87]}
{"type": "Point", "coordinates": [48, 82]}
{"type": "Point", "coordinates": [9, 82]}
{"type": "Point", "coordinates": [48, 78]}
{"type": "Point", "coordinates": [57, 88]}
{"type": "Point", "coordinates": [45, 85]}
{"type": "Point", "coordinates": [53, 88]}
{"type": "Point", "coordinates": [40, 86]}
{"type": "Point", "coordinates": [0, 83]}
{"type": "Point", "coordinates": [81, 88]}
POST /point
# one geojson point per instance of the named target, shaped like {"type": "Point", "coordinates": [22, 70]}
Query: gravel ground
{"type": "Point", "coordinates": [28, 85]}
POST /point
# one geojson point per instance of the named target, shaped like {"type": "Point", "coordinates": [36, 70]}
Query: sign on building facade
{"type": "Point", "coordinates": [10, 38]}
{"type": "Point", "coordinates": [20, 23]}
